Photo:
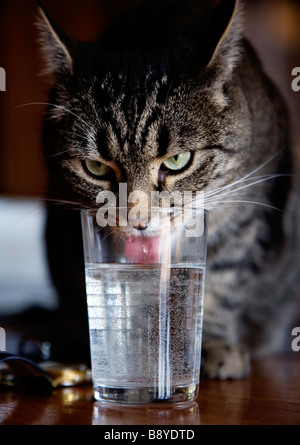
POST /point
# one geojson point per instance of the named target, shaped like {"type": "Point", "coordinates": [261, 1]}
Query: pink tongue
{"type": "Point", "coordinates": [142, 249]}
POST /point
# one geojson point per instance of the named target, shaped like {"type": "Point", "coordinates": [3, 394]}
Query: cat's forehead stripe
{"type": "Point", "coordinates": [131, 117]}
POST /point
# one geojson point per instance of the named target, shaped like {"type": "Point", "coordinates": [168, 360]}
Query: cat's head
{"type": "Point", "coordinates": [154, 104]}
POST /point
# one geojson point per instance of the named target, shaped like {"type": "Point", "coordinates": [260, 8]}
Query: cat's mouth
{"type": "Point", "coordinates": [142, 240]}
{"type": "Point", "coordinates": [147, 239]}
{"type": "Point", "coordinates": [143, 248]}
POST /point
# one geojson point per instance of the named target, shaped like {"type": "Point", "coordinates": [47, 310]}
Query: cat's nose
{"type": "Point", "coordinates": [141, 227]}
{"type": "Point", "coordinates": [139, 224]}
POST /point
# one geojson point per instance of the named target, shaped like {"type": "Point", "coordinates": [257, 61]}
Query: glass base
{"type": "Point", "coordinates": [145, 395]}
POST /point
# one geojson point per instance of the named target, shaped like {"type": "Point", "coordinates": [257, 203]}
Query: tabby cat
{"type": "Point", "coordinates": [173, 97]}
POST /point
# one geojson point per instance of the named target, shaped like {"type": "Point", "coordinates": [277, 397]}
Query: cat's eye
{"type": "Point", "coordinates": [96, 168]}
{"type": "Point", "coordinates": [178, 162]}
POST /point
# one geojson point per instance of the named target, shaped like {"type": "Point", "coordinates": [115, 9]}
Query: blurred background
{"type": "Point", "coordinates": [273, 26]}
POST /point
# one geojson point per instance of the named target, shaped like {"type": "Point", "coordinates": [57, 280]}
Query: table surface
{"type": "Point", "coordinates": [269, 396]}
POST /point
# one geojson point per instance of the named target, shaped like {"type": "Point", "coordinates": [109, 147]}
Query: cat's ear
{"type": "Point", "coordinates": [226, 36]}
{"type": "Point", "coordinates": [56, 46]}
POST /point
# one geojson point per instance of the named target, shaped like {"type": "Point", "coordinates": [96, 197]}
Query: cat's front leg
{"type": "Point", "coordinates": [223, 354]}
{"type": "Point", "coordinates": [222, 360]}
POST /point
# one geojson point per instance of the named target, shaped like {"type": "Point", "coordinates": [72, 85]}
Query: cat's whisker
{"type": "Point", "coordinates": [244, 201]}
{"type": "Point", "coordinates": [220, 210]}
{"type": "Point", "coordinates": [249, 185]}
{"type": "Point", "coordinates": [61, 107]}
{"type": "Point", "coordinates": [249, 175]}
{"type": "Point", "coordinates": [59, 153]}
{"type": "Point", "coordinates": [81, 136]}
{"type": "Point", "coordinates": [80, 127]}
{"type": "Point", "coordinates": [242, 180]}
{"type": "Point", "coordinates": [109, 233]}
{"type": "Point", "coordinates": [61, 201]}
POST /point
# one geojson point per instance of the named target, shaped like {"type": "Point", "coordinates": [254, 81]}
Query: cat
{"type": "Point", "coordinates": [173, 97]}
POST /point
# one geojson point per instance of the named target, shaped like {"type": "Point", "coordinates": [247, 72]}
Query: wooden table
{"type": "Point", "coordinates": [270, 396]}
